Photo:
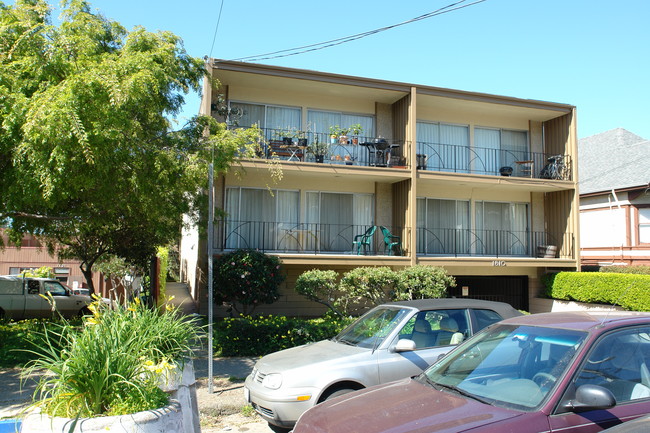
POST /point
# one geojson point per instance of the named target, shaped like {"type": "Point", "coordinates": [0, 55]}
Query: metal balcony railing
{"type": "Point", "coordinates": [496, 162]}
{"type": "Point", "coordinates": [316, 238]}
{"type": "Point", "coordinates": [492, 243]}
{"type": "Point", "coordinates": [301, 238]}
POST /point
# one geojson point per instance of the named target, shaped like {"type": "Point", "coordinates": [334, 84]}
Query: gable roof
{"type": "Point", "coordinates": [613, 159]}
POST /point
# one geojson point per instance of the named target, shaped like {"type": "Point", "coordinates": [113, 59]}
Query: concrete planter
{"type": "Point", "coordinates": [181, 415]}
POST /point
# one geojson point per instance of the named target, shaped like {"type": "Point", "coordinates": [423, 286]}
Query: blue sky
{"type": "Point", "coordinates": [594, 54]}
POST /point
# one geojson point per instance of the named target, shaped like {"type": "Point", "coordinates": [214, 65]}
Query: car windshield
{"type": "Point", "coordinates": [508, 366]}
{"type": "Point", "coordinates": [370, 329]}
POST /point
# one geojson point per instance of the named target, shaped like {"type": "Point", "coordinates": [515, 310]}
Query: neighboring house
{"type": "Point", "coordinates": [614, 199]}
{"type": "Point", "coordinates": [33, 255]}
{"type": "Point", "coordinates": [460, 182]}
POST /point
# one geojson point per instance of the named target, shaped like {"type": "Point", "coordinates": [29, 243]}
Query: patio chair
{"type": "Point", "coordinates": [392, 243]}
{"type": "Point", "coordinates": [363, 241]}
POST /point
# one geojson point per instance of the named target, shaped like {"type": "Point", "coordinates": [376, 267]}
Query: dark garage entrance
{"type": "Point", "coordinates": [512, 290]}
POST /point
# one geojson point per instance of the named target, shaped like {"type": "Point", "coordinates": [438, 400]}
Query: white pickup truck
{"type": "Point", "coordinates": [20, 298]}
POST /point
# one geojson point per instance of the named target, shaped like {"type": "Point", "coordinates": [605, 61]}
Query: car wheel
{"type": "Point", "coordinates": [335, 393]}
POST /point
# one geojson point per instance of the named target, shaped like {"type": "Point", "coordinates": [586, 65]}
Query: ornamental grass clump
{"type": "Point", "coordinates": [114, 362]}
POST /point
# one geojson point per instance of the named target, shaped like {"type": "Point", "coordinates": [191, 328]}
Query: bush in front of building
{"type": "Point", "coordinates": [257, 336]}
{"type": "Point", "coordinates": [628, 291]}
{"type": "Point", "coordinates": [244, 279]}
{"type": "Point", "coordinates": [365, 287]}
{"type": "Point", "coordinates": [640, 270]}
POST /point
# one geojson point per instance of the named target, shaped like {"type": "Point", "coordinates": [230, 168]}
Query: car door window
{"type": "Point", "coordinates": [620, 362]}
{"type": "Point", "coordinates": [33, 287]}
{"type": "Point", "coordinates": [55, 289]}
{"type": "Point", "coordinates": [485, 318]}
{"type": "Point", "coordinates": [436, 328]}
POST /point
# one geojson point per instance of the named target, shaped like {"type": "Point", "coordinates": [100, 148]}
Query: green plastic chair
{"type": "Point", "coordinates": [363, 241]}
{"type": "Point", "coordinates": [392, 243]}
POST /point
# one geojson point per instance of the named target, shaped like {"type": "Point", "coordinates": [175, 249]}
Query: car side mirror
{"type": "Point", "coordinates": [405, 345]}
{"type": "Point", "coordinates": [590, 397]}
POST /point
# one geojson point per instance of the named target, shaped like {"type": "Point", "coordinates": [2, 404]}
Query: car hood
{"type": "Point", "coordinates": [405, 406]}
{"type": "Point", "coordinates": [325, 351]}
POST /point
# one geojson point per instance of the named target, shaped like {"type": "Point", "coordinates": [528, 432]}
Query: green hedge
{"type": "Point", "coordinates": [640, 270]}
{"type": "Point", "coordinates": [257, 336]}
{"type": "Point", "coordinates": [629, 291]}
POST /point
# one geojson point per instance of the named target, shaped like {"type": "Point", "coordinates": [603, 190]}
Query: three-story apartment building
{"type": "Point", "coordinates": [482, 185]}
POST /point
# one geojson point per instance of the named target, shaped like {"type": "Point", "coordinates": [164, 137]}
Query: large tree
{"type": "Point", "coordinates": [89, 160]}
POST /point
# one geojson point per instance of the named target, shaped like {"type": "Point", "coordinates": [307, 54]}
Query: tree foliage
{"type": "Point", "coordinates": [89, 159]}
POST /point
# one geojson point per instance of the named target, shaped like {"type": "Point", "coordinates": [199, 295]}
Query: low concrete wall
{"type": "Point", "coordinates": [543, 305]}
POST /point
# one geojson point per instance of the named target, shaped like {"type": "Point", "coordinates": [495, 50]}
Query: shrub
{"type": "Point", "coordinates": [113, 362]}
{"type": "Point", "coordinates": [319, 286]}
{"type": "Point", "coordinates": [629, 291]}
{"type": "Point", "coordinates": [423, 282]}
{"type": "Point", "coordinates": [366, 287]}
{"type": "Point", "coordinates": [244, 279]}
{"type": "Point", "coordinates": [21, 341]}
{"type": "Point", "coordinates": [257, 336]}
{"type": "Point", "coordinates": [641, 270]}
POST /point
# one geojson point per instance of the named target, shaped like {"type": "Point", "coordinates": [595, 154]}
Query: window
{"type": "Point", "coordinates": [320, 122]}
{"type": "Point", "coordinates": [618, 362]}
{"type": "Point", "coordinates": [271, 118]}
{"type": "Point", "coordinates": [644, 225]}
{"type": "Point", "coordinates": [259, 219]}
{"type": "Point", "coordinates": [446, 147]}
{"type": "Point", "coordinates": [501, 228]}
{"type": "Point", "coordinates": [496, 148]}
{"type": "Point", "coordinates": [338, 217]}
{"type": "Point", "coordinates": [485, 318]}
{"type": "Point", "coordinates": [55, 289]}
{"type": "Point", "coordinates": [443, 226]}
{"type": "Point", "coordinates": [436, 328]}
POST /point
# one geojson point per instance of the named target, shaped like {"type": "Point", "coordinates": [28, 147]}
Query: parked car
{"type": "Point", "coordinates": [391, 341]}
{"type": "Point", "coordinates": [579, 372]}
{"type": "Point", "coordinates": [20, 298]}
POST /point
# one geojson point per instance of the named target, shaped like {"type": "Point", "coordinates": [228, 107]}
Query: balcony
{"type": "Point", "coordinates": [300, 238]}
{"type": "Point", "coordinates": [489, 161]}
{"type": "Point", "coordinates": [315, 238]}
{"type": "Point", "coordinates": [490, 243]}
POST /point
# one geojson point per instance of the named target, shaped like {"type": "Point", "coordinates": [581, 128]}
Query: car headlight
{"type": "Point", "coordinates": [272, 381]}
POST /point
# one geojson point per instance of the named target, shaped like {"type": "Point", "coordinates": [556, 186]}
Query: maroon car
{"type": "Point", "coordinates": [579, 372]}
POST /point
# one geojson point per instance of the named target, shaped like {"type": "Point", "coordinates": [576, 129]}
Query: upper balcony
{"type": "Point", "coordinates": [354, 150]}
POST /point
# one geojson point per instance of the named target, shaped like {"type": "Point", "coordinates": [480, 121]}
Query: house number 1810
{"type": "Point", "coordinates": [498, 263]}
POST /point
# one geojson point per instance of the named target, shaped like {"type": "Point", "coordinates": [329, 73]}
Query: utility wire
{"type": "Point", "coordinates": [321, 45]}
{"type": "Point", "coordinates": [216, 28]}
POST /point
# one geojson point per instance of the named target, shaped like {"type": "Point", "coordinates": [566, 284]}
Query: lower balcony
{"type": "Point", "coordinates": [350, 239]}
{"type": "Point", "coordinates": [307, 238]}
{"type": "Point", "coordinates": [493, 243]}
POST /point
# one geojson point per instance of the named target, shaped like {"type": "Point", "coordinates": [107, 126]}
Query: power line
{"type": "Point", "coordinates": [216, 28]}
{"type": "Point", "coordinates": [321, 45]}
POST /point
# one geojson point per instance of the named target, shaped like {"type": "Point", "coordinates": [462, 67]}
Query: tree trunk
{"type": "Point", "coordinates": [86, 270]}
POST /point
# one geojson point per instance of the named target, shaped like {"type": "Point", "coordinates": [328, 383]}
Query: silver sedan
{"type": "Point", "coordinates": [391, 341]}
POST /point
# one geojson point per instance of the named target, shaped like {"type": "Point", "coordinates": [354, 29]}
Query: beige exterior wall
{"type": "Point", "coordinates": [396, 107]}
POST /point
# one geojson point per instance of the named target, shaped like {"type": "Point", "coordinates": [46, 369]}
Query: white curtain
{"type": "Point", "coordinates": [514, 147]}
{"type": "Point", "coordinates": [446, 146]}
{"type": "Point", "coordinates": [447, 224]}
{"type": "Point", "coordinates": [257, 219]}
{"type": "Point", "coordinates": [502, 228]}
{"type": "Point", "coordinates": [282, 119]}
{"type": "Point", "coordinates": [252, 114]}
{"type": "Point", "coordinates": [485, 158]}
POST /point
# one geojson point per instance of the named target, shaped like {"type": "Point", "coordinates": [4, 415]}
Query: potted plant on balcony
{"type": "Point", "coordinates": [116, 369]}
{"type": "Point", "coordinates": [318, 149]}
{"type": "Point", "coordinates": [356, 130]}
{"type": "Point", "coordinates": [343, 137]}
{"type": "Point", "coordinates": [335, 132]}
{"type": "Point", "coordinates": [287, 135]}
